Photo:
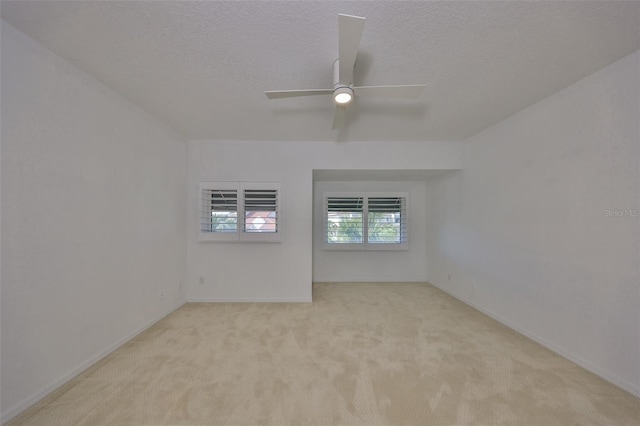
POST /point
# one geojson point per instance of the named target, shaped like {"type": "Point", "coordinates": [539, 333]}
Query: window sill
{"type": "Point", "coordinates": [235, 238]}
{"type": "Point", "coordinates": [366, 247]}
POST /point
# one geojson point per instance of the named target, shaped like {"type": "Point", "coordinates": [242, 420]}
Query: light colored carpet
{"type": "Point", "coordinates": [360, 354]}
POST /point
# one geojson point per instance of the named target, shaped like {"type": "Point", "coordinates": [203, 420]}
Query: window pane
{"type": "Point", "coordinates": [220, 210]}
{"type": "Point", "coordinates": [384, 228]}
{"type": "Point", "coordinates": [260, 210]}
{"type": "Point", "coordinates": [260, 221]}
{"type": "Point", "coordinates": [224, 221]}
{"type": "Point", "coordinates": [384, 221]}
{"type": "Point", "coordinates": [344, 220]}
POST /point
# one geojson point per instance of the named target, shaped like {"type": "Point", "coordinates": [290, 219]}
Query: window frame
{"type": "Point", "coordinates": [366, 245]}
{"type": "Point", "coordinates": [240, 234]}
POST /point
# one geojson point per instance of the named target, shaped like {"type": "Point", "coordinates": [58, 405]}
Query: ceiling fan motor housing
{"type": "Point", "coordinates": [342, 92]}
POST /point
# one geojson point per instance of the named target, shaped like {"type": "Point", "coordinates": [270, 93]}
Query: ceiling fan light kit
{"type": "Point", "coordinates": [343, 95]}
{"type": "Point", "coordinates": [349, 33]}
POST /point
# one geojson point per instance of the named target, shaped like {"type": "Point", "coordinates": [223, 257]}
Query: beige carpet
{"type": "Point", "coordinates": [360, 354]}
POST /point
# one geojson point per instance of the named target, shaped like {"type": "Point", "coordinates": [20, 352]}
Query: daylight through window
{"type": "Point", "coordinates": [366, 220]}
{"type": "Point", "coordinates": [239, 211]}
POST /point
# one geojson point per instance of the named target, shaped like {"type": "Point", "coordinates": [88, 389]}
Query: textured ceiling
{"type": "Point", "coordinates": [202, 67]}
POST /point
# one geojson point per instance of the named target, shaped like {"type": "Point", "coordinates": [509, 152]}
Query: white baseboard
{"type": "Point", "coordinates": [26, 403]}
{"type": "Point", "coordinates": [612, 378]}
{"type": "Point", "coordinates": [248, 300]}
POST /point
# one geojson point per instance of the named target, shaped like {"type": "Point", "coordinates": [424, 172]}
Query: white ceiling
{"type": "Point", "coordinates": [202, 67]}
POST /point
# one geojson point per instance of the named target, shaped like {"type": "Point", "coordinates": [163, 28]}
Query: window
{"type": "Point", "coordinates": [366, 221]}
{"type": "Point", "coordinates": [385, 225]}
{"type": "Point", "coordinates": [220, 211]}
{"type": "Point", "coordinates": [260, 210]}
{"type": "Point", "coordinates": [344, 220]}
{"type": "Point", "coordinates": [239, 211]}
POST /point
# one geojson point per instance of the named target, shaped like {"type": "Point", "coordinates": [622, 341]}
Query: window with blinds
{"type": "Point", "coordinates": [385, 220]}
{"type": "Point", "coordinates": [260, 210]}
{"type": "Point", "coordinates": [219, 210]}
{"type": "Point", "coordinates": [239, 211]}
{"type": "Point", "coordinates": [366, 221]}
{"type": "Point", "coordinates": [345, 223]}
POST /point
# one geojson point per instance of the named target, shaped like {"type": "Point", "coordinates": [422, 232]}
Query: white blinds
{"type": "Point", "coordinates": [260, 210]}
{"type": "Point", "coordinates": [387, 219]}
{"type": "Point", "coordinates": [219, 210]}
{"type": "Point", "coordinates": [366, 220]}
{"type": "Point", "coordinates": [344, 222]}
{"type": "Point", "coordinates": [345, 204]}
{"type": "Point", "coordinates": [239, 211]}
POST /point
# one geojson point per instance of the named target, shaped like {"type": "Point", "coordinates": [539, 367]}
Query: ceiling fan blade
{"type": "Point", "coordinates": [349, 33]}
{"type": "Point", "coordinates": [275, 94]}
{"type": "Point", "coordinates": [408, 92]}
{"type": "Point", "coordinates": [340, 117]}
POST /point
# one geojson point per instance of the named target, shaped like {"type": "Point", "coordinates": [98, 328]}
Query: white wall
{"type": "Point", "coordinates": [282, 271]}
{"type": "Point", "coordinates": [372, 266]}
{"type": "Point", "coordinates": [524, 231]}
{"type": "Point", "coordinates": [93, 221]}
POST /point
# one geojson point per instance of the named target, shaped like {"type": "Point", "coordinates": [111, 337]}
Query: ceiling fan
{"type": "Point", "coordinates": [343, 91]}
